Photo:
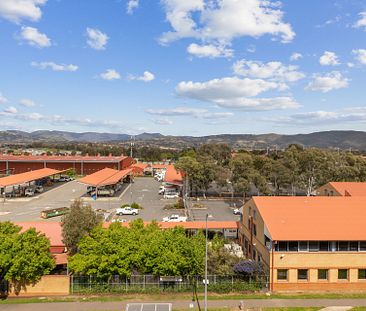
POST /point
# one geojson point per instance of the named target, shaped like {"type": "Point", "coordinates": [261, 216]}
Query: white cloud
{"type": "Point", "coordinates": [225, 88]}
{"type": "Point", "coordinates": [35, 38]}
{"type": "Point", "coordinates": [328, 82]}
{"type": "Point", "coordinates": [360, 55]}
{"type": "Point", "coordinates": [251, 48]}
{"type": "Point", "coordinates": [329, 59]}
{"type": "Point", "coordinates": [96, 39]}
{"type": "Point", "coordinates": [132, 5]}
{"type": "Point", "coordinates": [110, 74]}
{"type": "Point", "coordinates": [146, 77]}
{"type": "Point", "coordinates": [271, 70]}
{"type": "Point", "coordinates": [259, 104]}
{"type": "Point", "coordinates": [209, 50]}
{"type": "Point", "coordinates": [18, 10]}
{"type": "Point", "coordinates": [27, 102]}
{"type": "Point", "coordinates": [162, 121]}
{"type": "Point", "coordinates": [224, 20]}
{"type": "Point", "coordinates": [54, 66]}
{"type": "Point", "coordinates": [179, 111]}
{"type": "Point", "coordinates": [10, 110]}
{"type": "Point", "coordinates": [3, 99]}
{"type": "Point", "coordinates": [361, 23]}
{"type": "Point", "coordinates": [295, 56]}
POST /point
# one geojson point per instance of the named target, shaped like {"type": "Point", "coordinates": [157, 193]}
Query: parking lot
{"type": "Point", "coordinates": [143, 191]}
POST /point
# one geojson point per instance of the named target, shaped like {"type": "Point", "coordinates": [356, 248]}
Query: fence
{"type": "Point", "coordinates": [156, 284]}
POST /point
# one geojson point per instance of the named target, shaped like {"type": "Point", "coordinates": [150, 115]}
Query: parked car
{"type": "Point", "coordinates": [29, 192]}
{"type": "Point", "coordinates": [171, 195]}
{"type": "Point", "coordinates": [39, 189]}
{"type": "Point", "coordinates": [161, 190]}
{"type": "Point", "coordinates": [236, 211]}
{"type": "Point", "coordinates": [104, 192]}
{"type": "Point", "coordinates": [175, 218]}
{"type": "Point", "coordinates": [65, 178]}
{"type": "Point", "coordinates": [128, 210]}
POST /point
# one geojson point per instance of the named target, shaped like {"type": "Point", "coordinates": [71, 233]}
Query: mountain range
{"type": "Point", "coordinates": [326, 139]}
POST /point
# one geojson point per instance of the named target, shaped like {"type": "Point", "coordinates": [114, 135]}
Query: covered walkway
{"type": "Point", "coordinates": [105, 177]}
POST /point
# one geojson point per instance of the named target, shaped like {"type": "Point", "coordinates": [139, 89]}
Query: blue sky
{"type": "Point", "coordinates": [192, 67]}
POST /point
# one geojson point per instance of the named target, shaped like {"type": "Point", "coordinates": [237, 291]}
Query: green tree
{"type": "Point", "coordinates": [24, 256]}
{"type": "Point", "coordinates": [77, 223]}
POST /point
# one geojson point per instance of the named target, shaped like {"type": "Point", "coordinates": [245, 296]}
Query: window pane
{"type": "Point", "coordinates": [282, 274]}
{"type": "Point", "coordinates": [353, 246]}
{"type": "Point", "coordinates": [362, 245]}
{"type": "Point", "coordinates": [324, 246]}
{"type": "Point", "coordinates": [293, 246]}
{"type": "Point", "coordinates": [313, 246]}
{"type": "Point", "coordinates": [322, 274]}
{"type": "Point", "coordinates": [282, 246]}
{"type": "Point", "coordinates": [303, 246]}
{"type": "Point", "coordinates": [342, 274]}
{"type": "Point", "coordinates": [362, 274]}
{"type": "Point", "coordinates": [343, 246]}
{"type": "Point", "coordinates": [302, 274]}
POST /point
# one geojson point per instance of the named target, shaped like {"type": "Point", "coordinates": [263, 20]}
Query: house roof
{"type": "Point", "coordinates": [350, 188]}
{"type": "Point", "coordinates": [104, 177]}
{"type": "Point", "coordinates": [140, 165]}
{"type": "Point", "coordinates": [198, 225]}
{"type": "Point", "coordinates": [43, 158]}
{"type": "Point", "coordinates": [313, 218]}
{"type": "Point", "coordinates": [52, 230]}
{"type": "Point", "coordinates": [173, 176]}
{"type": "Point", "coordinates": [22, 178]}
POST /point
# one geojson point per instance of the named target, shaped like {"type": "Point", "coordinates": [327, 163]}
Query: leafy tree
{"type": "Point", "coordinates": [77, 223]}
{"type": "Point", "coordinates": [24, 256]}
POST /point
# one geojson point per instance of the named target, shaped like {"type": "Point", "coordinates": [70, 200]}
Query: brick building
{"type": "Point", "coordinates": [83, 165]}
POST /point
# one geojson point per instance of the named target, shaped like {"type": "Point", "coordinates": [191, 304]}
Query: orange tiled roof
{"type": "Point", "coordinates": [52, 230]}
{"type": "Point", "coordinates": [104, 177]}
{"type": "Point", "coordinates": [189, 224]}
{"type": "Point", "coordinates": [173, 176]}
{"type": "Point", "coordinates": [141, 165]}
{"type": "Point", "coordinates": [313, 218]}
{"type": "Point", "coordinates": [22, 178]}
{"type": "Point", "coordinates": [350, 188]}
{"type": "Point", "coordinates": [42, 158]}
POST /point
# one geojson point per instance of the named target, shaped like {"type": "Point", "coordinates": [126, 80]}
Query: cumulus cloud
{"type": "Point", "coordinates": [54, 66]}
{"type": "Point", "coordinates": [35, 38]}
{"type": "Point", "coordinates": [209, 50]}
{"type": "Point", "coordinates": [110, 74]}
{"type": "Point", "coordinates": [162, 121]}
{"type": "Point", "coordinates": [295, 56]}
{"type": "Point", "coordinates": [329, 59]}
{"type": "Point", "coordinates": [10, 110]}
{"type": "Point", "coordinates": [361, 23]}
{"type": "Point", "coordinates": [3, 99]}
{"type": "Point", "coordinates": [26, 102]}
{"type": "Point", "coordinates": [18, 10]}
{"type": "Point", "coordinates": [272, 70]}
{"type": "Point", "coordinates": [192, 112]}
{"type": "Point", "coordinates": [132, 5]}
{"type": "Point", "coordinates": [259, 104]}
{"type": "Point", "coordinates": [97, 40]}
{"type": "Point", "coordinates": [224, 20]}
{"type": "Point", "coordinates": [360, 55]}
{"type": "Point", "coordinates": [328, 82]}
{"type": "Point", "coordinates": [146, 77]}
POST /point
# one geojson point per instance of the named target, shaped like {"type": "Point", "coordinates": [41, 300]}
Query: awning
{"type": "Point", "coordinates": [105, 177]}
{"type": "Point", "coordinates": [22, 178]}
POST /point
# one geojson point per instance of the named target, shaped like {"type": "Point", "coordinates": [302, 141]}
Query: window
{"type": "Point", "coordinates": [353, 246]}
{"type": "Point", "coordinates": [282, 246]}
{"type": "Point", "coordinates": [303, 246]}
{"type": "Point", "coordinates": [282, 274]}
{"type": "Point", "coordinates": [254, 214]}
{"type": "Point", "coordinates": [302, 274]}
{"type": "Point", "coordinates": [342, 274]}
{"type": "Point", "coordinates": [343, 246]}
{"type": "Point", "coordinates": [293, 246]}
{"type": "Point", "coordinates": [362, 246]}
{"type": "Point", "coordinates": [324, 246]}
{"type": "Point", "coordinates": [313, 246]}
{"type": "Point", "coordinates": [323, 274]}
{"type": "Point", "coordinates": [254, 230]}
{"type": "Point", "coordinates": [362, 274]}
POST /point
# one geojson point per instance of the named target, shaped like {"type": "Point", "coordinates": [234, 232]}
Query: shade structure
{"type": "Point", "coordinates": [22, 178]}
{"type": "Point", "coordinates": [105, 177]}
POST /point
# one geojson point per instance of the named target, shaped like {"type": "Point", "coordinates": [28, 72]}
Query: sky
{"type": "Point", "coordinates": [183, 67]}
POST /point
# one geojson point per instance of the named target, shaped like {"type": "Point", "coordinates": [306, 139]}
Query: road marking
{"type": "Point", "coordinates": [4, 213]}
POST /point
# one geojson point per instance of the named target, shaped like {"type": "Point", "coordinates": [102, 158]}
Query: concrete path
{"type": "Point", "coordinates": [232, 304]}
{"type": "Point", "coordinates": [336, 308]}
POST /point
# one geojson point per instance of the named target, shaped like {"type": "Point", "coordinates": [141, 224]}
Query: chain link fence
{"type": "Point", "coordinates": [156, 284]}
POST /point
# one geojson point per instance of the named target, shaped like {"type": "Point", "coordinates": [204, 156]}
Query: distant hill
{"type": "Point", "coordinates": [327, 139]}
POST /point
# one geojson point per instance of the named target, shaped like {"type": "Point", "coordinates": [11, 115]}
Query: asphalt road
{"type": "Point", "coordinates": [232, 304]}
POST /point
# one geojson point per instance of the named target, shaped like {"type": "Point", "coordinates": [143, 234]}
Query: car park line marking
{"type": "Point", "coordinates": [4, 213]}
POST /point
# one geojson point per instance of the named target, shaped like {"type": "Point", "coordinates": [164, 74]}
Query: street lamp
{"type": "Point", "coordinates": [206, 253]}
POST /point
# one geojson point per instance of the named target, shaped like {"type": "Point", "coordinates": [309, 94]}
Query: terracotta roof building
{"type": "Point", "coordinates": [308, 243]}
{"type": "Point", "coordinates": [342, 189]}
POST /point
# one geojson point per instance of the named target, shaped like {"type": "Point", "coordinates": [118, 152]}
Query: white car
{"type": "Point", "coordinates": [172, 195]}
{"type": "Point", "coordinates": [128, 210]}
{"type": "Point", "coordinates": [236, 211]}
{"type": "Point", "coordinates": [29, 192]}
{"type": "Point", "coordinates": [175, 218]}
